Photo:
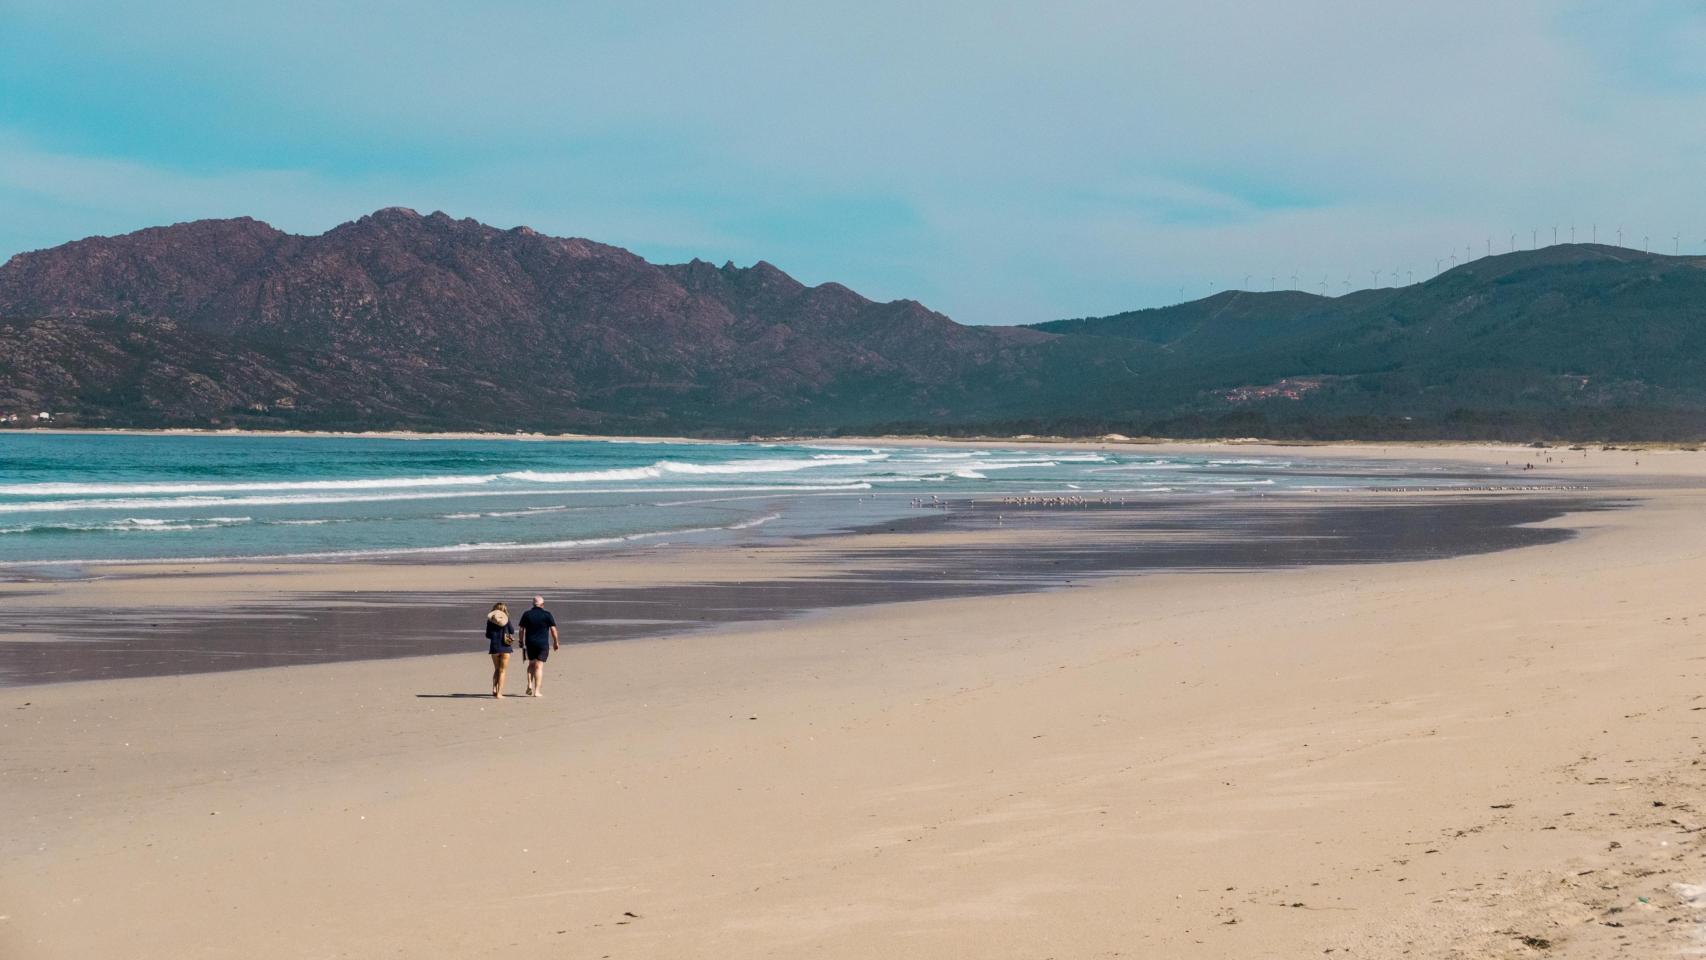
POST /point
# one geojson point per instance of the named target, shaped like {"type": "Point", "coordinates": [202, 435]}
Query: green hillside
{"type": "Point", "coordinates": [1572, 339]}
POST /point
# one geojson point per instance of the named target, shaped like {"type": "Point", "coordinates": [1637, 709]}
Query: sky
{"type": "Point", "coordinates": [1000, 162]}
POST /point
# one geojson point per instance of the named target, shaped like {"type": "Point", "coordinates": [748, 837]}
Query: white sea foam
{"type": "Point", "coordinates": [1147, 466]}
{"type": "Point", "coordinates": [1011, 464]}
{"type": "Point", "coordinates": [652, 472]}
{"type": "Point", "coordinates": [579, 476]}
{"type": "Point", "coordinates": [770, 466]}
{"type": "Point", "coordinates": [290, 500]}
{"type": "Point", "coordinates": [141, 489]}
{"type": "Point", "coordinates": [128, 525]}
{"type": "Point", "coordinates": [664, 468]}
{"type": "Point", "coordinates": [1249, 463]}
{"type": "Point", "coordinates": [482, 547]}
{"type": "Point", "coordinates": [504, 514]}
{"type": "Point", "coordinates": [916, 478]}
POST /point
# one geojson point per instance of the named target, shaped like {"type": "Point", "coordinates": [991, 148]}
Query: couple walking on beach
{"type": "Point", "coordinates": [538, 639]}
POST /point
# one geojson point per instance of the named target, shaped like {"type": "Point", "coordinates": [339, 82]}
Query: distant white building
{"type": "Point", "coordinates": [44, 415]}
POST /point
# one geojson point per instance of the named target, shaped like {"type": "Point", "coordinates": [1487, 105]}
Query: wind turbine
{"type": "Point", "coordinates": [1620, 236]}
{"type": "Point", "coordinates": [1572, 233]}
{"type": "Point", "coordinates": [1411, 274]}
{"type": "Point", "coordinates": [1489, 246]}
{"type": "Point", "coordinates": [1376, 275]}
{"type": "Point", "coordinates": [1554, 234]}
{"type": "Point", "coordinates": [1513, 243]}
{"type": "Point", "coordinates": [1534, 239]}
{"type": "Point", "coordinates": [1294, 282]}
{"type": "Point", "coordinates": [1273, 282]}
{"type": "Point", "coordinates": [1246, 281]}
{"type": "Point", "coordinates": [1323, 284]}
{"type": "Point", "coordinates": [1676, 245]}
{"type": "Point", "coordinates": [1596, 233]}
{"type": "Point", "coordinates": [1437, 262]}
{"type": "Point", "coordinates": [1646, 244]}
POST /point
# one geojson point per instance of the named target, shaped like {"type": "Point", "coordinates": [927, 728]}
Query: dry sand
{"type": "Point", "coordinates": [1439, 758]}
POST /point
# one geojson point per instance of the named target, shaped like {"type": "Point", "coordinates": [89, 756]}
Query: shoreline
{"type": "Point", "coordinates": [1452, 468]}
{"type": "Point", "coordinates": [133, 622]}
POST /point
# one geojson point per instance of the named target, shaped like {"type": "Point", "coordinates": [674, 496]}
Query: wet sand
{"type": "Point", "coordinates": [964, 549]}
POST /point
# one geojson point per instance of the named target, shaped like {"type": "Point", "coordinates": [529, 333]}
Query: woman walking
{"type": "Point", "coordinates": [500, 634]}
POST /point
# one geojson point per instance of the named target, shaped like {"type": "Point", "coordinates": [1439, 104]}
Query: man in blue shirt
{"type": "Point", "coordinates": [538, 639]}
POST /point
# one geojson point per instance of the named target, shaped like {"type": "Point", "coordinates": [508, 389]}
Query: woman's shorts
{"type": "Point", "coordinates": [501, 648]}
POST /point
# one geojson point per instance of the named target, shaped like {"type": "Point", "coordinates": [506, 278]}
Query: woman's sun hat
{"type": "Point", "coordinates": [498, 618]}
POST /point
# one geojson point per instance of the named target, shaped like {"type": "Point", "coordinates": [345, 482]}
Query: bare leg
{"type": "Point", "coordinates": [500, 664]}
{"type": "Point", "coordinates": [532, 676]}
{"type": "Point", "coordinates": [538, 677]}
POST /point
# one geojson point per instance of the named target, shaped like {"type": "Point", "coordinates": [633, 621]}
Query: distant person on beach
{"type": "Point", "coordinates": [500, 635]}
{"type": "Point", "coordinates": [538, 639]}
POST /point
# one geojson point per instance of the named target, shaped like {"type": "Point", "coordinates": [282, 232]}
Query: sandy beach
{"type": "Point", "coordinates": [1493, 755]}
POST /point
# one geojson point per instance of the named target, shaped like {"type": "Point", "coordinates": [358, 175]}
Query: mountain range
{"type": "Point", "coordinates": [399, 320]}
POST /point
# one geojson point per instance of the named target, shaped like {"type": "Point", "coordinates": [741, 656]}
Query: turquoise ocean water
{"type": "Point", "coordinates": [85, 499]}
